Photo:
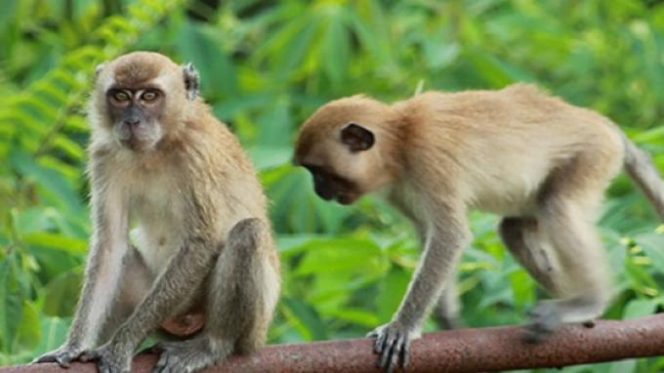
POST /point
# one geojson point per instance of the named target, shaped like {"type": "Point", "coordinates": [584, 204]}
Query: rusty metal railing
{"type": "Point", "coordinates": [463, 350]}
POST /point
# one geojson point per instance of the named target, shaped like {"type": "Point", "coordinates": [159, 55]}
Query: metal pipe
{"type": "Point", "coordinates": [463, 350]}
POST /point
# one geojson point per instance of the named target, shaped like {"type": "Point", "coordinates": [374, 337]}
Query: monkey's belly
{"type": "Point", "coordinates": [506, 205]}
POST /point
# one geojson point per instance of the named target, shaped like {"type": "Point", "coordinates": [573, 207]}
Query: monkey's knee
{"type": "Point", "coordinates": [242, 313]}
{"type": "Point", "coordinates": [247, 234]}
{"type": "Point", "coordinates": [512, 231]}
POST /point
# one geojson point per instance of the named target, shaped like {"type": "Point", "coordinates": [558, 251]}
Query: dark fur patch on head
{"type": "Point", "coordinates": [138, 68]}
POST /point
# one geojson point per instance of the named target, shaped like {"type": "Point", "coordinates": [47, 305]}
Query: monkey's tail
{"type": "Point", "coordinates": [641, 169]}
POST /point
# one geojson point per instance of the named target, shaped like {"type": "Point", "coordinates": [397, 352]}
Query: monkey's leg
{"type": "Point", "coordinates": [583, 285]}
{"type": "Point", "coordinates": [244, 289]}
{"type": "Point", "coordinates": [525, 241]}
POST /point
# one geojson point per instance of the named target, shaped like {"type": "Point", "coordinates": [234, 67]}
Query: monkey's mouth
{"type": "Point", "coordinates": [346, 198]}
{"type": "Point", "coordinates": [135, 139]}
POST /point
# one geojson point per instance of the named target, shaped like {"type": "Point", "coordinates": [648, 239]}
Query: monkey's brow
{"type": "Point", "coordinates": [119, 87]}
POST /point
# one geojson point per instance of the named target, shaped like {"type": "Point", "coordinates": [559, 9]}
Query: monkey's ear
{"type": "Point", "coordinates": [99, 69]}
{"type": "Point", "coordinates": [191, 81]}
{"type": "Point", "coordinates": [357, 138]}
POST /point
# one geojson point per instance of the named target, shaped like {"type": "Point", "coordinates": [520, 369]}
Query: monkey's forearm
{"type": "Point", "coordinates": [443, 249]}
{"type": "Point", "coordinates": [184, 274]}
{"type": "Point", "coordinates": [103, 268]}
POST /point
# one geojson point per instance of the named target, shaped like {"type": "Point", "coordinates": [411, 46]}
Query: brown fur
{"type": "Point", "coordinates": [185, 191]}
{"type": "Point", "coordinates": [518, 152]}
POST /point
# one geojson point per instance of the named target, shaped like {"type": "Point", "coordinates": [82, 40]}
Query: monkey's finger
{"type": "Point", "coordinates": [394, 357]}
{"type": "Point", "coordinates": [405, 354]}
{"type": "Point", "coordinates": [379, 343]}
{"type": "Point", "coordinates": [163, 362]}
{"type": "Point", "coordinates": [388, 351]}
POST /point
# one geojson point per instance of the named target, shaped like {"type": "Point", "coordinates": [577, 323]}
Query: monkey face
{"type": "Point", "coordinates": [346, 147]}
{"type": "Point", "coordinates": [142, 98]}
{"type": "Point", "coordinates": [338, 164]}
{"type": "Point", "coordinates": [135, 114]}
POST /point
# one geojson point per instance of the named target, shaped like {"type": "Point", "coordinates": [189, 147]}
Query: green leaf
{"type": "Point", "coordinates": [28, 333]}
{"type": "Point", "coordinates": [57, 242]}
{"type": "Point", "coordinates": [304, 318]}
{"type": "Point", "coordinates": [637, 308]}
{"type": "Point", "coordinates": [653, 246]}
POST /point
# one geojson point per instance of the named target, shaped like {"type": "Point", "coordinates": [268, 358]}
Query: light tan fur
{"type": "Point", "coordinates": [518, 152]}
{"type": "Point", "coordinates": [202, 236]}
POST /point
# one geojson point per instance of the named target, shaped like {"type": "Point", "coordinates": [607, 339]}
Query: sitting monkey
{"type": "Point", "coordinates": [160, 158]}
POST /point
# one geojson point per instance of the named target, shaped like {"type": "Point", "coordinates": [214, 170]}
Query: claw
{"type": "Point", "coordinates": [64, 363]}
{"type": "Point", "coordinates": [393, 346]}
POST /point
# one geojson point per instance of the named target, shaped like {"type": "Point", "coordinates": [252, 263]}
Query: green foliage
{"type": "Point", "coordinates": [265, 67]}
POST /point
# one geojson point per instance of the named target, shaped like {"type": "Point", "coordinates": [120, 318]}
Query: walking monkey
{"type": "Point", "coordinates": [537, 161]}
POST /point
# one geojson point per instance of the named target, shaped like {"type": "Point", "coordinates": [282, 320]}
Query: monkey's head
{"type": "Point", "coordinates": [348, 147]}
{"type": "Point", "coordinates": [141, 97]}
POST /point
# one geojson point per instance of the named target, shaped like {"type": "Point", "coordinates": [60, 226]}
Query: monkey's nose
{"type": "Point", "coordinates": [132, 122]}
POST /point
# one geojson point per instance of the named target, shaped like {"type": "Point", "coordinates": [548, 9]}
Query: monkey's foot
{"type": "Point", "coordinates": [544, 319]}
{"type": "Point", "coordinates": [188, 356]}
{"type": "Point", "coordinates": [109, 359]}
{"type": "Point", "coordinates": [64, 356]}
{"type": "Point", "coordinates": [393, 345]}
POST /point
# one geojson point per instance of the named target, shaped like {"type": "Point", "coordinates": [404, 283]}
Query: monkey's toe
{"type": "Point", "coordinates": [544, 319]}
{"type": "Point", "coordinates": [63, 357]}
{"type": "Point", "coordinates": [186, 356]}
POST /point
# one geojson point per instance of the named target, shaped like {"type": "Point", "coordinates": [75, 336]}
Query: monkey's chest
{"type": "Point", "coordinates": [159, 228]}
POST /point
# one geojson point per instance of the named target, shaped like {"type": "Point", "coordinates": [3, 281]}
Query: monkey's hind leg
{"type": "Point", "coordinates": [242, 296]}
{"type": "Point", "coordinates": [582, 286]}
{"type": "Point", "coordinates": [529, 246]}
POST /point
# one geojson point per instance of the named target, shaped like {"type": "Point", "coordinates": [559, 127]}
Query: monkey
{"type": "Point", "coordinates": [533, 159]}
{"type": "Point", "coordinates": [162, 164]}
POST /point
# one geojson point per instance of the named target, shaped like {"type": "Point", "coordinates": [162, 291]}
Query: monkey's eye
{"type": "Point", "coordinates": [121, 96]}
{"type": "Point", "coordinates": [149, 96]}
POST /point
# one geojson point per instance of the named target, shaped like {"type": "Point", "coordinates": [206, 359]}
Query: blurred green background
{"type": "Point", "coordinates": [266, 66]}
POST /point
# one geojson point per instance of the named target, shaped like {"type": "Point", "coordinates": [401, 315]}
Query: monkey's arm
{"type": "Point", "coordinates": [447, 234]}
{"type": "Point", "coordinates": [108, 246]}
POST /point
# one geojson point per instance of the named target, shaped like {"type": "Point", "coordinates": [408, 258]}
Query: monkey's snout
{"type": "Point", "coordinates": [132, 123]}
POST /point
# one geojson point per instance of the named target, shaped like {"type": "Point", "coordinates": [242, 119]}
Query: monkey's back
{"type": "Point", "coordinates": [497, 148]}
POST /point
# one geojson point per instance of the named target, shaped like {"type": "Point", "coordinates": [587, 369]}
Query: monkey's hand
{"type": "Point", "coordinates": [110, 358]}
{"type": "Point", "coordinates": [63, 356]}
{"type": "Point", "coordinates": [393, 344]}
